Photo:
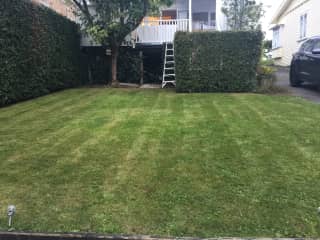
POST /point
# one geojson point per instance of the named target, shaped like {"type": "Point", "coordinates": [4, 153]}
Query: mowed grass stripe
{"type": "Point", "coordinates": [275, 171]}
{"type": "Point", "coordinates": [54, 169]}
{"type": "Point", "coordinates": [42, 126]}
{"type": "Point", "coordinates": [32, 108]}
{"type": "Point", "coordinates": [50, 131]}
{"type": "Point", "coordinates": [156, 162]}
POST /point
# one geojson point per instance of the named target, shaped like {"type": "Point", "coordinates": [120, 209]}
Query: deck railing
{"type": "Point", "coordinates": [160, 31]}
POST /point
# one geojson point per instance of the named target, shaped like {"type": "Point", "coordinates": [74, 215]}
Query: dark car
{"type": "Point", "coordinates": [305, 65]}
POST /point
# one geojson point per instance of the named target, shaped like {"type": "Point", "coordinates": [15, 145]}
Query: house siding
{"type": "Point", "coordinates": [290, 40]}
{"type": "Point", "coordinates": [197, 6]}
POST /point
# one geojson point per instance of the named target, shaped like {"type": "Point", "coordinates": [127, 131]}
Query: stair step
{"type": "Point", "coordinates": [170, 62]}
{"type": "Point", "coordinates": [170, 55]}
{"type": "Point", "coordinates": [170, 68]}
{"type": "Point", "coordinates": [170, 75]}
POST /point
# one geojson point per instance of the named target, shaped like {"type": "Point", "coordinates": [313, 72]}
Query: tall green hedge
{"type": "Point", "coordinates": [39, 51]}
{"type": "Point", "coordinates": [217, 61]}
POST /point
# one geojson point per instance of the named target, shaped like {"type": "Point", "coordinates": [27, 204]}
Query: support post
{"type": "Point", "coordinates": [190, 15]}
{"type": "Point", "coordinates": [141, 68]}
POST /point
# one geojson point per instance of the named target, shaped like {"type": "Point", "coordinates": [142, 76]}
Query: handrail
{"type": "Point", "coordinates": [165, 22]}
{"type": "Point", "coordinates": [159, 31]}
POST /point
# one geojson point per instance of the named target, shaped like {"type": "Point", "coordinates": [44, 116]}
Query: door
{"type": "Point", "coordinates": [169, 14]}
{"type": "Point", "coordinates": [315, 62]}
{"type": "Point", "coordinates": [305, 58]}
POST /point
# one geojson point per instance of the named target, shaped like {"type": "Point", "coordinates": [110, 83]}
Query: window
{"type": "Point", "coordinates": [213, 19]}
{"type": "Point", "coordinates": [200, 20]}
{"type": "Point", "coordinates": [183, 14]}
{"type": "Point", "coordinates": [307, 46]}
{"type": "Point", "coordinates": [303, 26]}
{"type": "Point", "coordinates": [276, 37]}
{"type": "Point", "coordinates": [316, 46]}
{"type": "Point", "coordinates": [201, 17]}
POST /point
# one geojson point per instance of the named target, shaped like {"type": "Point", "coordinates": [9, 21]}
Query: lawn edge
{"type": "Point", "coordinates": [97, 236]}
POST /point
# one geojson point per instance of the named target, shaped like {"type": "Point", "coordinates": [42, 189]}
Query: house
{"type": "Point", "coordinates": [60, 6]}
{"type": "Point", "coordinates": [294, 22]}
{"type": "Point", "coordinates": [182, 15]}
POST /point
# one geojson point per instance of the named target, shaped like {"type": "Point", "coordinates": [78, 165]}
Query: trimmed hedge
{"type": "Point", "coordinates": [39, 51]}
{"type": "Point", "coordinates": [217, 61]}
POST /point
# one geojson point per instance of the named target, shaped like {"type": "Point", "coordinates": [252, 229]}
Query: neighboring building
{"type": "Point", "coordinates": [60, 6]}
{"type": "Point", "coordinates": [294, 22]}
{"type": "Point", "coordinates": [204, 15]}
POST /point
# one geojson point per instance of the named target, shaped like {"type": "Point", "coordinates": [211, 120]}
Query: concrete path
{"type": "Point", "coordinates": [306, 91]}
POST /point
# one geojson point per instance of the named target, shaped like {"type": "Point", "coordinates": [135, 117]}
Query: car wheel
{"type": "Point", "coordinates": [294, 78]}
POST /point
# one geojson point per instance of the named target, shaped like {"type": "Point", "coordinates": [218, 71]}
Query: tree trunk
{"type": "Point", "coordinates": [114, 58]}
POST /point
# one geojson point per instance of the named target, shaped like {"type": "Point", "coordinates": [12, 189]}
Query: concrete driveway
{"type": "Point", "coordinates": [306, 91]}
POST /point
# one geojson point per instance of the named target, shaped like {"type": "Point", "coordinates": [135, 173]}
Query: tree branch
{"type": "Point", "coordinates": [83, 7]}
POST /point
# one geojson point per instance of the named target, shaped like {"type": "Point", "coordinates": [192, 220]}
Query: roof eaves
{"type": "Point", "coordinates": [284, 5]}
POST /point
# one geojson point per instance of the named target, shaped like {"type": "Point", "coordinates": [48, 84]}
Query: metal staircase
{"type": "Point", "coordinates": [169, 75]}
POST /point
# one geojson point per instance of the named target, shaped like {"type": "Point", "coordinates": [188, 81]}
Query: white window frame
{"type": "Point", "coordinates": [303, 25]}
{"type": "Point", "coordinates": [276, 37]}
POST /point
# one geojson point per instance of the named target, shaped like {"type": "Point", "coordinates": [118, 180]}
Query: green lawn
{"type": "Point", "coordinates": [156, 162]}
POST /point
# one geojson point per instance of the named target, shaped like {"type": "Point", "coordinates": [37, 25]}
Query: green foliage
{"type": "Point", "coordinates": [267, 79]}
{"type": "Point", "coordinates": [112, 20]}
{"type": "Point", "coordinates": [267, 45]}
{"type": "Point", "coordinates": [39, 51]}
{"type": "Point", "coordinates": [129, 70]}
{"type": "Point", "coordinates": [109, 22]}
{"type": "Point", "coordinates": [217, 61]}
{"type": "Point", "coordinates": [243, 14]}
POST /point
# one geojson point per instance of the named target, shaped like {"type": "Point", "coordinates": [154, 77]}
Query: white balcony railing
{"type": "Point", "coordinates": [160, 31]}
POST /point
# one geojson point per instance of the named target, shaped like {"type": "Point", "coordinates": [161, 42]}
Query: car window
{"type": "Point", "coordinates": [308, 46]}
{"type": "Point", "coordinates": [316, 45]}
{"type": "Point", "coordinates": [303, 46]}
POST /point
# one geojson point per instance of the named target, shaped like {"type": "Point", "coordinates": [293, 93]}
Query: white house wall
{"type": "Point", "coordinates": [290, 32]}
{"type": "Point", "coordinates": [197, 5]}
{"type": "Point", "coordinates": [221, 20]}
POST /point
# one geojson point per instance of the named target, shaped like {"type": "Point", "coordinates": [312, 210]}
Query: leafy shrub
{"type": "Point", "coordinates": [39, 51]}
{"type": "Point", "coordinates": [267, 79]}
{"type": "Point", "coordinates": [129, 66]}
{"type": "Point", "coordinates": [217, 61]}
